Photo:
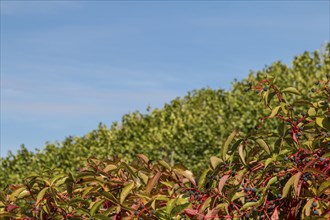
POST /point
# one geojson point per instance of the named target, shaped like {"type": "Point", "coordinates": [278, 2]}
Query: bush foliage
{"type": "Point", "coordinates": [261, 174]}
{"type": "Point", "coordinates": [188, 130]}
{"type": "Point", "coordinates": [267, 141]}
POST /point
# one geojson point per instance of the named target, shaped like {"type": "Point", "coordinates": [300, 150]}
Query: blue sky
{"type": "Point", "coordinates": [68, 65]}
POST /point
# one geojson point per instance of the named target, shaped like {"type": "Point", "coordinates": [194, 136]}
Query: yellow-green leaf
{"type": "Point", "coordinates": [263, 144]}
{"type": "Point", "coordinates": [224, 148]}
{"type": "Point", "coordinates": [265, 97]}
{"type": "Point", "coordinates": [110, 197]}
{"type": "Point", "coordinates": [202, 178]}
{"type": "Point", "coordinates": [283, 107]}
{"type": "Point", "coordinates": [287, 186]}
{"type": "Point", "coordinates": [324, 186]}
{"type": "Point", "coordinates": [57, 177]}
{"type": "Point", "coordinates": [129, 169]}
{"type": "Point", "coordinates": [143, 177]}
{"type": "Point", "coordinates": [110, 167]}
{"type": "Point", "coordinates": [170, 205]}
{"type": "Point", "coordinates": [41, 194]}
{"type": "Point", "coordinates": [164, 164]}
{"type": "Point", "coordinates": [15, 194]}
{"type": "Point", "coordinates": [96, 206]}
{"type": "Point", "coordinates": [323, 123]}
{"type": "Point", "coordinates": [126, 190]}
{"type": "Point", "coordinates": [238, 195]}
{"type": "Point", "coordinates": [291, 90]}
{"type": "Point", "coordinates": [215, 161]}
{"type": "Point", "coordinates": [307, 207]}
{"type": "Point", "coordinates": [205, 205]}
{"type": "Point", "coordinates": [268, 161]}
{"type": "Point", "coordinates": [271, 181]}
{"type": "Point", "coordinates": [241, 153]}
{"type": "Point", "coordinates": [311, 112]}
{"type": "Point", "coordinates": [275, 111]}
{"type": "Point", "coordinates": [248, 205]}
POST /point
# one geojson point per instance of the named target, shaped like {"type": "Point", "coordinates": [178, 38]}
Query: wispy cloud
{"type": "Point", "coordinates": [23, 99]}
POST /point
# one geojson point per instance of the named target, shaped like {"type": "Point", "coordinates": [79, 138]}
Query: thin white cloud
{"type": "Point", "coordinates": [23, 101]}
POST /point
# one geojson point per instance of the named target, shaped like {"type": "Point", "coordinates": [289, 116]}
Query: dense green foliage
{"type": "Point", "coordinates": [188, 130]}
{"type": "Point", "coordinates": [263, 173]}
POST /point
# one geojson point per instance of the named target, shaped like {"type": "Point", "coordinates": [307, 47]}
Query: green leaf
{"type": "Point", "coordinates": [274, 111]}
{"type": "Point", "coordinates": [287, 186]}
{"type": "Point", "coordinates": [248, 205]}
{"type": "Point", "coordinates": [126, 190]}
{"type": "Point", "coordinates": [77, 200]}
{"type": "Point", "coordinates": [4, 215]}
{"type": "Point", "coordinates": [311, 112]}
{"type": "Point", "coordinates": [323, 123]}
{"type": "Point", "coordinates": [283, 107]}
{"type": "Point", "coordinates": [238, 195]}
{"type": "Point", "coordinates": [206, 204]}
{"type": "Point", "coordinates": [268, 161]}
{"type": "Point", "coordinates": [179, 208]}
{"type": "Point", "coordinates": [291, 90]}
{"type": "Point", "coordinates": [57, 177]}
{"type": "Point", "coordinates": [170, 205]}
{"type": "Point", "coordinates": [100, 217]}
{"type": "Point", "coordinates": [307, 207]}
{"type": "Point", "coordinates": [224, 148]}
{"type": "Point", "coordinates": [15, 194]}
{"type": "Point", "coordinates": [41, 194]}
{"type": "Point", "coordinates": [169, 184]}
{"type": "Point", "coordinates": [324, 186]}
{"type": "Point", "coordinates": [109, 196]}
{"type": "Point", "coordinates": [164, 164]}
{"type": "Point", "coordinates": [110, 167]}
{"type": "Point", "coordinates": [263, 144]}
{"type": "Point", "coordinates": [202, 178]}
{"type": "Point", "coordinates": [143, 177]}
{"type": "Point", "coordinates": [271, 181]}
{"type": "Point", "coordinates": [128, 168]}
{"type": "Point", "coordinates": [96, 206]}
{"type": "Point", "coordinates": [265, 97]}
{"type": "Point", "coordinates": [241, 153]}
{"type": "Point", "coordinates": [215, 161]}
{"type": "Point", "coordinates": [82, 211]}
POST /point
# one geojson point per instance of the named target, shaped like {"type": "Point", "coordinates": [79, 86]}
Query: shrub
{"type": "Point", "coordinates": [263, 173]}
{"type": "Point", "coordinates": [188, 130]}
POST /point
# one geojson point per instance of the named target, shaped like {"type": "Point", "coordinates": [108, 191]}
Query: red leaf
{"type": "Point", "coordinates": [11, 207]}
{"type": "Point", "coordinates": [275, 215]}
{"type": "Point", "coordinates": [222, 182]}
{"type": "Point", "coordinates": [152, 182]}
{"type": "Point", "coordinates": [294, 137]}
{"type": "Point", "coordinates": [299, 188]}
{"type": "Point", "coordinates": [296, 181]}
{"type": "Point", "coordinates": [191, 212]}
{"type": "Point", "coordinates": [143, 157]}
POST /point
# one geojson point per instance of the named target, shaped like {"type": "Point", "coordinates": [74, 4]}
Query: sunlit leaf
{"type": "Point", "coordinates": [291, 90]}
{"type": "Point", "coordinates": [125, 191]}
{"type": "Point", "coordinates": [224, 148]}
